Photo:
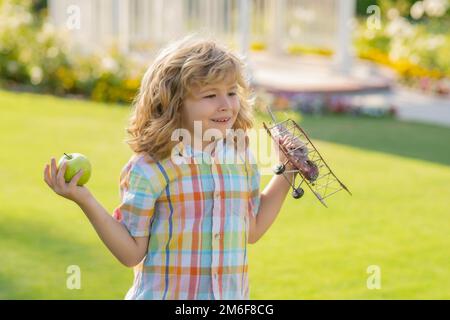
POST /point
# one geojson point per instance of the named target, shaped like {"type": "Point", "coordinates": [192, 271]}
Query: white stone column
{"type": "Point", "coordinates": [343, 54]}
{"type": "Point", "coordinates": [244, 26]}
{"type": "Point", "coordinates": [207, 13]}
{"type": "Point", "coordinates": [277, 26]}
{"type": "Point", "coordinates": [124, 25]}
{"type": "Point", "coordinates": [177, 23]}
{"type": "Point", "coordinates": [157, 19]}
{"type": "Point", "coordinates": [146, 7]}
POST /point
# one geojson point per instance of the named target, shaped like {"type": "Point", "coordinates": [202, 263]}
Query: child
{"type": "Point", "coordinates": [184, 225]}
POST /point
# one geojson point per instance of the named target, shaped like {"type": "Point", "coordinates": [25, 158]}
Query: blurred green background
{"type": "Point", "coordinates": [397, 218]}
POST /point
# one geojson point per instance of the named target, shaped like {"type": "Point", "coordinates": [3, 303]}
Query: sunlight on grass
{"type": "Point", "coordinates": [397, 217]}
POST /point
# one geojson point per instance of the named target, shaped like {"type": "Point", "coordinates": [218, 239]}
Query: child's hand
{"type": "Point", "coordinates": [288, 144]}
{"type": "Point", "coordinates": [55, 180]}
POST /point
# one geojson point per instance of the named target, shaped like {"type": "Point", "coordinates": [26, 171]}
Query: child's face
{"type": "Point", "coordinates": [209, 103]}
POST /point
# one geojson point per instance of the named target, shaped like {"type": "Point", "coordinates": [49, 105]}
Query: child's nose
{"type": "Point", "coordinates": [225, 103]}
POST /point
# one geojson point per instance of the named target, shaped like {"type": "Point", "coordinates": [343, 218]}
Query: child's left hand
{"type": "Point", "coordinates": [288, 144]}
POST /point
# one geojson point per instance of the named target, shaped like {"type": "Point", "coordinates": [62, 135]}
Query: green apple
{"type": "Point", "coordinates": [76, 162]}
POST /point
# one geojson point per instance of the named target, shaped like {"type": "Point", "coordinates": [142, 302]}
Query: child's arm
{"type": "Point", "coordinates": [271, 200]}
{"type": "Point", "coordinates": [127, 249]}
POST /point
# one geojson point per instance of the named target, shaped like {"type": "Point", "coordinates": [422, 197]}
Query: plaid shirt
{"type": "Point", "coordinates": [197, 218]}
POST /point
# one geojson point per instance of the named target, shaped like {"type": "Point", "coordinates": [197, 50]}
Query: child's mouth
{"type": "Point", "coordinates": [221, 120]}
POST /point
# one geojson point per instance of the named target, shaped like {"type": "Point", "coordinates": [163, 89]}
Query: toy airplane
{"type": "Point", "coordinates": [305, 158]}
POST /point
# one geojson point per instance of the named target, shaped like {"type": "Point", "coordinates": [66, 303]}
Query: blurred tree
{"type": "Point", "coordinates": [362, 5]}
{"type": "Point", "coordinates": [39, 5]}
{"type": "Point", "coordinates": [403, 6]}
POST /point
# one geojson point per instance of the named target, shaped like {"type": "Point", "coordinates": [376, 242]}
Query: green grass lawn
{"type": "Point", "coordinates": [397, 218]}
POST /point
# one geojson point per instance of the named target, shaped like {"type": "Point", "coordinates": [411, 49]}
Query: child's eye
{"type": "Point", "coordinates": [213, 95]}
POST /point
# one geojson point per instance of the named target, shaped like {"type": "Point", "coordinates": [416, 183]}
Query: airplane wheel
{"type": "Point", "coordinates": [298, 193]}
{"type": "Point", "coordinates": [279, 169]}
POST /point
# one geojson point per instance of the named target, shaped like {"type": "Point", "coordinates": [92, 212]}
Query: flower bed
{"type": "Point", "coordinates": [370, 105]}
{"type": "Point", "coordinates": [34, 56]}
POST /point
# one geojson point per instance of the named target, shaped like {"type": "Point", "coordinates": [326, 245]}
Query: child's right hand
{"type": "Point", "coordinates": [55, 180]}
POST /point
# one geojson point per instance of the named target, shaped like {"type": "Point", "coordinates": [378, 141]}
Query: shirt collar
{"type": "Point", "coordinates": [220, 145]}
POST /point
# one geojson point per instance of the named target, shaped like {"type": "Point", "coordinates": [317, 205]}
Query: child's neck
{"type": "Point", "coordinates": [203, 145]}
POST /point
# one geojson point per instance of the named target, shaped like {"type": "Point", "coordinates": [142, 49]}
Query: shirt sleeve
{"type": "Point", "coordinates": [140, 187]}
{"type": "Point", "coordinates": [255, 180]}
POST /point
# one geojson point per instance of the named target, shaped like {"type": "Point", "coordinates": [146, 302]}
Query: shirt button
{"type": "Point", "coordinates": [217, 195]}
{"type": "Point", "coordinates": [217, 236]}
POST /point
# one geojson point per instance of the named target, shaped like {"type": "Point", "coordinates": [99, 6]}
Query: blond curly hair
{"type": "Point", "coordinates": [191, 61]}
